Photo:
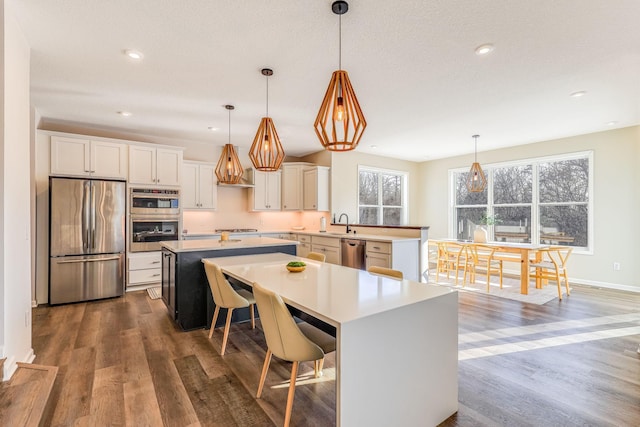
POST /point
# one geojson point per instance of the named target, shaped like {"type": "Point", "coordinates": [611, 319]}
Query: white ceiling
{"type": "Point", "coordinates": [422, 88]}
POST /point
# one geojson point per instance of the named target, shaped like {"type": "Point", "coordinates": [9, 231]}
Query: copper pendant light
{"type": "Point", "coordinates": [476, 181]}
{"type": "Point", "coordinates": [266, 152]}
{"type": "Point", "coordinates": [340, 121]}
{"type": "Point", "coordinates": [229, 168]}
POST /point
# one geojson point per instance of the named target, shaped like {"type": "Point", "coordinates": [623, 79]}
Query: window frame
{"type": "Point", "coordinates": [535, 203]}
{"type": "Point", "coordinates": [404, 176]}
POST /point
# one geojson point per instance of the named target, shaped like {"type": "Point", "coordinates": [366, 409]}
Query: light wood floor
{"type": "Point", "coordinates": [122, 362]}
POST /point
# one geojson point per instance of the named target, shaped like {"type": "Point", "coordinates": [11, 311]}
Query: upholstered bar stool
{"type": "Point", "coordinates": [226, 297]}
{"type": "Point", "coordinates": [288, 340]}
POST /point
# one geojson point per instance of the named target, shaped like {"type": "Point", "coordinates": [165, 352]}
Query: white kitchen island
{"type": "Point", "coordinates": [397, 340]}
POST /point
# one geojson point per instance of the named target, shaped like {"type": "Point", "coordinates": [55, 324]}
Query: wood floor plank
{"type": "Point", "coordinates": [169, 377]}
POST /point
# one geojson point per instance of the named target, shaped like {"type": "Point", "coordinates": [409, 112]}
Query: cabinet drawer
{"type": "Point", "coordinates": [326, 241]}
{"type": "Point", "coordinates": [332, 254]}
{"type": "Point", "coordinates": [303, 238]}
{"type": "Point", "coordinates": [303, 249]}
{"type": "Point", "coordinates": [145, 276]}
{"type": "Point", "coordinates": [144, 261]}
{"type": "Point", "coordinates": [378, 247]}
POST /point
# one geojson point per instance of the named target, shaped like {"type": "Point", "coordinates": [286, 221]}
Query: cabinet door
{"type": "Point", "coordinates": [310, 182]}
{"type": "Point", "coordinates": [316, 188]}
{"type": "Point", "coordinates": [207, 188]}
{"type": "Point", "coordinates": [189, 196]}
{"type": "Point", "coordinates": [332, 254]}
{"type": "Point", "coordinates": [273, 190]}
{"type": "Point", "coordinates": [109, 159]}
{"type": "Point", "coordinates": [70, 156]}
{"type": "Point", "coordinates": [168, 167]}
{"type": "Point", "coordinates": [291, 188]}
{"type": "Point", "coordinates": [303, 249]}
{"type": "Point", "coordinates": [259, 191]}
{"type": "Point", "coordinates": [378, 259]}
{"type": "Point", "coordinates": [142, 165]}
{"type": "Point", "coordinates": [169, 281]}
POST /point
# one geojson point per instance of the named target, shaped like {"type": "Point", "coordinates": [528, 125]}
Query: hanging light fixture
{"type": "Point", "coordinates": [229, 168]}
{"type": "Point", "coordinates": [266, 152]}
{"type": "Point", "coordinates": [340, 122]}
{"type": "Point", "coordinates": [476, 181]}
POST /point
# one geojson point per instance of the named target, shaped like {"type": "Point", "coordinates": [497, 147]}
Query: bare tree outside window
{"type": "Point", "coordinates": [541, 201]}
{"type": "Point", "coordinates": [380, 199]}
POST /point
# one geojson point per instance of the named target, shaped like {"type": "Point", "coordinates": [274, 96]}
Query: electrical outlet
{"type": "Point", "coordinates": [616, 266]}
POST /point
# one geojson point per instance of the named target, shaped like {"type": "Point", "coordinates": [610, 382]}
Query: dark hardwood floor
{"type": "Point", "coordinates": [122, 362]}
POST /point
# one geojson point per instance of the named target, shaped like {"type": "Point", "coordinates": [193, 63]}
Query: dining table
{"type": "Point", "coordinates": [396, 339]}
{"type": "Point", "coordinates": [513, 252]}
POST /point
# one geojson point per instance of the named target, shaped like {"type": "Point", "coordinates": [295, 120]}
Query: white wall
{"type": "Point", "coordinates": [344, 182]}
{"type": "Point", "coordinates": [15, 171]}
{"type": "Point", "coordinates": [616, 200]}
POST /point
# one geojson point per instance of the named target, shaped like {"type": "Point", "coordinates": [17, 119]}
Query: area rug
{"type": "Point", "coordinates": [510, 288]}
{"type": "Point", "coordinates": [155, 292]}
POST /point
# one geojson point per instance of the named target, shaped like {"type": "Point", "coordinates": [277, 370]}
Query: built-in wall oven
{"type": "Point", "coordinates": [154, 217]}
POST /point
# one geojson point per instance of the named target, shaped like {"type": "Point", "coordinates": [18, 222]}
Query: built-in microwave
{"type": "Point", "coordinates": [150, 201]}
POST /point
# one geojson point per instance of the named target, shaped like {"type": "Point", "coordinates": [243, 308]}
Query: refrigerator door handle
{"type": "Point", "coordinates": [75, 261]}
{"type": "Point", "coordinates": [85, 216]}
{"type": "Point", "coordinates": [93, 217]}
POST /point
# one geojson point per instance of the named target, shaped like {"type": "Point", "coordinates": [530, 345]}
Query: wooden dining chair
{"type": "Point", "coordinates": [383, 271]}
{"type": "Point", "coordinates": [482, 258]}
{"type": "Point", "coordinates": [224, 296]}
{"type": "Point", "coordinates": [453, 257]}
{"type": "Point", "coordinates": [316, 256]}
{"type": "Point", "coordinates": [288, 340]}
{"type": "Point", "coordinates": [551, 264]}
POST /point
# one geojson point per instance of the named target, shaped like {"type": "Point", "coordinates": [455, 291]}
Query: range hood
{"type": "Point", "coordinates": [244, 183]}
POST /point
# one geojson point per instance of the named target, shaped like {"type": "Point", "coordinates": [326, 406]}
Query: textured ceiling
{"type": "Point", "coordinates": [422, 88]}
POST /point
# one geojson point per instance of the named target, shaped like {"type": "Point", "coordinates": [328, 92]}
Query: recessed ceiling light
{"type": "Point", "coordinates": [124, 113]}
{"type": "Point", "coordinates": [134, 54]}
{"type": "Point", "coordinates": [611, 123]}
{"type": "Point", "coordinates": [579, 93]}
{"type": "Point", "coordinates": [212, 129]}
{"type": "Point", "coordinates": [484, 49]}
{"type": "Point", "coordinates": [373, 146]}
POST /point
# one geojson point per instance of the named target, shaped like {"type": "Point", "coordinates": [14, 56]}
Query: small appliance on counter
{"type": "Point", "coordinates": [323, 224]}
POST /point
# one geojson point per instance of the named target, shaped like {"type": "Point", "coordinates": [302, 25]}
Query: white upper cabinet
{"type": "Point", "coordinates": [85, 157]}
{"type": "Point", "coordinates": [316, 188]}
{"type": "Point", "coordinates": [199, 190]}
{"type": "Point", "coordinates": [292, 186]}
{"type": "Point", "coordinates": [265, 195]}
{"type": "Point", "coordinates": [155, 166]}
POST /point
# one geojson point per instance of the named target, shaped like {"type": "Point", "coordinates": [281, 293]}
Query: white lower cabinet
{"type": "Point", "coordinates": [144, 268]}
{"type": "Point", "coordinates": [329, 246]}
{"type": "Point", "coordinates": [304, 246]}
{"type": "Point", "coordinates": [401, 255]}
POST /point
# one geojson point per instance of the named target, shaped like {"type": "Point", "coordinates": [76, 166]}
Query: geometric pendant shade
{"type": "Point", "coordinates": [266, 152]}
{"type": "Point", "coordinates": [476, 181]}
{"type": "Point", "coordinates": [229, 168]}
{"type": "Point", "coordinates": [340, 121]}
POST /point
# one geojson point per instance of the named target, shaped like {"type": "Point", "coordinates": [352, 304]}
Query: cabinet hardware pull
{"type": "Point", "coordinates": [155, 275]}
{"type": "Point", "coordinates": [156, 262]}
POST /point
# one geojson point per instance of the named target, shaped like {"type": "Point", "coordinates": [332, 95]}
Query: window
{"type": "Point", "coordinates": [546, 200]}
{"type": "Point", "coordinates": [381, 196]}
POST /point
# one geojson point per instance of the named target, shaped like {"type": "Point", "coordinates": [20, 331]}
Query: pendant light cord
{"type": "Point", "coordinates": [340, 42]}
{"type": "Point", "coordinates": [229, 126]}
{"type": "Point", "coordinates": [267, 96]}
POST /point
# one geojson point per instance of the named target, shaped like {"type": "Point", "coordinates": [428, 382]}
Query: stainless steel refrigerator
{"type": "Point", "coordinates": [87, 239]}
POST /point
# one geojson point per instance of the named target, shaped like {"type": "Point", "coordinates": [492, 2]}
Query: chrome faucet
{"type": "Point", "coordinates": [340, 219]}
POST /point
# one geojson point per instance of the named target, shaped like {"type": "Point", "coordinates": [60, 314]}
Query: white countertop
{"type": "Point", "coordinates": [217, 244]}
{"type": "Point", "coordinates": [376, 237]}
{"type": "Point", "coordinates": [332, 293]}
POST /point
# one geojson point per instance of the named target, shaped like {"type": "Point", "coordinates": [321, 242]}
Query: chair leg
{"type": "Point", "coordinates": [292, 391]}
{"type": "Point", "coordinates": [213, 322]}
{"type": "Point", "coordinates": [317, 367]}
{"type": "Point", "coordinates": [559, 286]}
{"type": "Point", "coordinates": [253, 315]}
{"type": "Point", "coordinates": [500, 274]}
{"type": "Point", "coordinates": [227, 326]}
{"type": "Point", "coordinates": [566, 283]}
{"type": "Point", "coordinates": [263, 376]}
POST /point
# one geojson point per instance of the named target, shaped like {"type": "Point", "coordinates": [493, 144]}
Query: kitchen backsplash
{"type": "Point", "coordinates": [207, 221]}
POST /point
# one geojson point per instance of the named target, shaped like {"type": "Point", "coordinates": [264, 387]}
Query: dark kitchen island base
{"type": "Point", "coordinates": [185, 289]}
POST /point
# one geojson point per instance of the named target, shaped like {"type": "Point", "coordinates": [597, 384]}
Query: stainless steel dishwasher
{"type": "Point", "coordinates": [353, 253]}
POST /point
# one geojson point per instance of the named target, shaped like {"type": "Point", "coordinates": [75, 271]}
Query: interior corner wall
{"type": "Point", "coordinates": [344, 182]}
{"type": "Point", "coordinates": [15, 169]}
{"type": "Point", "coordinates": [616, 178]}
